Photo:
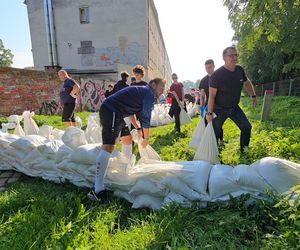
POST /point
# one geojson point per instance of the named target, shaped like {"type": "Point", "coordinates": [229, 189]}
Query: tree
{"type": "Point", "coordinates": [5, 56]}
{"type": "Point", "coordinates": [268, 35]}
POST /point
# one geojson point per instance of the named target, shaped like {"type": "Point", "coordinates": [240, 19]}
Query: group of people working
{"type": "Point", "coordinates": [219, 94]}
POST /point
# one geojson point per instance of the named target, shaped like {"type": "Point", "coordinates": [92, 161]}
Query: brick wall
{"type": "Point", "coordinates": [26, 90]}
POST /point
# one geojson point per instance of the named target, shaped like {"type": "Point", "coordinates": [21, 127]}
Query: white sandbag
{"type": "Point", "coordinates": [4, 144]}
{"type": "Point", "coordinates": [19, 130]}
{"type": "Point", "coordinates": [14, 154]}
{"type": "Point", "coordinates": [148, 201]}
{"type": "Point", "coordinates": [177, 186]}
{"type": "Point", "coordinates": [74, 137]}
{"type": "Point", "coordinates": [93, 131]}
{"type": "Point", "coordinates": [56, 134]}
{"type": "Point", "coordinates": [45, 130]}
{"type": "Point", "coordinates": [50, 149]}
{"type": "Point", "coordinates": [122, 194]}
{"type": "Point", "coordinates": [30, 127]}
{"type": "Point", "coordinates": [176, 198]}
{"type": "Point", "coordinates": [249, 179]}
{"type": "Point", "coordinates": [63, 153]}
{"type": "Point", "coordinates": [33, 157]}
{"type": "Point", "coordinates": [222, 181]}
{"type": "Point", "coordinates": [280, 174]}
{"type": "Point", "coordinates": [148, 153]}
{"type": "Point", "coordinates": [184, 117]}
{"type": "Point", "coordinates": [197, 135]}
{"type": "Point", "coordinates": [78, 122]}
{"type": "Point", "coordinates": [195, 174]}
{"type": "Point", "coordinates": [208, 148]}
{"type": "Point", "coordinates": [29, 142]}
{"type": "Point", "coordinates": [144, 186]}
{"type": "Point", "coordinates": [6, 126]}
{"type": "Point", "coordinates": [17, 119]}
{"type": "Point", "coordinates": [86, 154]}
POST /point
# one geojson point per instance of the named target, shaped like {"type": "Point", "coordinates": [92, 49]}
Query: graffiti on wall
{"type": "Point", "coordinates": [125, 53]}
{"type": "Point", "coordinates": [92, 94]}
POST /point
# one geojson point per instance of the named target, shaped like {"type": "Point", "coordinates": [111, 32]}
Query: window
{"type": "Point", "coordinates": [84, 14]}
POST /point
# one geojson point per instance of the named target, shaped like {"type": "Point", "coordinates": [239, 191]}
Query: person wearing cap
{"type": "Point", "coordinates": [225, 87]}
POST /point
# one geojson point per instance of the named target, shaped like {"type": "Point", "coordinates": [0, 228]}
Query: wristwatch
{"type": "Point", "coordinates": [139, 129]}
{"type": "Point", "coordinates": [209, 113]}
{"type": "Point", "coordinates": [253, 96]}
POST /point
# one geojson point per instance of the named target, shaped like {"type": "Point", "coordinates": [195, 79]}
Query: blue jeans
{"type": "Point", "coordinates": [237, 115]}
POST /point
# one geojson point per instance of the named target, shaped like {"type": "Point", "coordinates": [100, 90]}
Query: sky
{"type": "Point", "coordinates": [193, 31]}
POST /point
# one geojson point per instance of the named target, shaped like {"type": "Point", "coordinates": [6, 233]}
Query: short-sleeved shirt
{"type": "Point", "coordinates": [132, 100]}
{"type": "Point", "coordinates": [204, 84]}
{"type": "Point", "coordinates": [141, 83]}
{"type": "Point", "coordinates": [229, 86]}
{"type": "Point", "coordinates": [65, 91]}
{"type": "Point", "coordinates": [178, 88]}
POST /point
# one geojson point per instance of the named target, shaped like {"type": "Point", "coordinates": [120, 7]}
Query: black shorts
{"type": "Point", "coordinates": [124, 129]}
{"type": "Point", "coordinates": [68, 112]}
{"type": "Point", "coordinates": [111, 125]}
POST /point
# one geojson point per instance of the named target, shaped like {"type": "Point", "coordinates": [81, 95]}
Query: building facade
{"type": "Point", "coordinates": [97, 37]}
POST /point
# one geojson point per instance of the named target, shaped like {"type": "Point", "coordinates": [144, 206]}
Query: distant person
{"type": "Point", "coordinates": [68, 93]}
{"type": "Point", "coordinates": [138, 72]}
{"type": "Point", "coordinates": [121, 84]}
{"type": "Point", "coordinates": [204, 86]}
{"type": "Point", "coordinates": [225, 89]}
{"type": "Point", "coordinates": [177, 94]}
{"type": "Point", "coordinates": [109, 90]}
{"type": "Point", "coordinates": [125, 103]}
{"type": "Point", "coordinates": [133, 81]}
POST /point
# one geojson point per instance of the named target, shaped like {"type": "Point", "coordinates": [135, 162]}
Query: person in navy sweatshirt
{"type": "Point", "coordinates": [125, 103]}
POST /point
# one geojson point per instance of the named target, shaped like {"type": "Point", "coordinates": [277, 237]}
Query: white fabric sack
{"type": "Point", "coordinates": [78, 122]}
{"type": "Point", "coordinates": [56, 134]}
{"type": "Point", "coordinates": [74, 137]}
{"type": "Point", "coordinates": [30, 127]}
{"type": "Point", "coordinates": [177, 186]}
{"type": "Point", "coordinates": [197, 135]}
{"type": "Point", "coordinates": [17, 119]}
{"type": "Point", "coordinates": [86, 154]}
{"type": "Point", "coordinates": [176, 198]}
{"type": "Point", "coordinates": [6, 126]}
{"type": "Point", "coordinates": [222, 181]}
{"type": "Point", "coordinates": [29, 142]}
{"type": "Point", "coordinates": [148, 201]}
{"type": "Point", "coordinates": [249, 179]}
{"type": "Point", "coordinates": [45, 130]}
{"type": "Point", "coordinates": [50, 149]}
{"type": "Point", "coordinates": [93, 130]}
{"type": "Point", "coordinates": [184, 117]}
{"type": "Point", "coordinates": [195, 174]}
{"type": "Point", "coordinates": [4, 144]}
{"type": "Point", "coordinates": [144, 186]}
{"type": "Point", "coordinates": [124, 195]}
{"type": "Point", "coordinates": [148, 153]}
{"type": "Point", "coordinates": [63, 153]}
{"type": "Point", "coordinates": [208, 148]}
{"type": "Point", "coordinates": [279, 174]}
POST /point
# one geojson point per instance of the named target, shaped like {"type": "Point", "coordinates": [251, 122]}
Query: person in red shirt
{"type": "Point", "coordinates": [177, 94]}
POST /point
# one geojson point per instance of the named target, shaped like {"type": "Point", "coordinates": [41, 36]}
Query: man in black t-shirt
{"type": "Point", "coordinates": [122, 83]}
{"type": "Point", "coordinates": [225, 87]}
{"type": "Point", "coordinates": [204, 85]}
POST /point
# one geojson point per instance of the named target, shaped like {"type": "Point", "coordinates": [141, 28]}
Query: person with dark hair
{"type": "Point", "coordinates": [138, 72]}
{"type": "Point", "coordinates": [225, 88]}
{"type": "Point", "coordinates": [133, 81]}
{"type": "Point", "coordinates": [68, 93]}
{"type": "Point", "coordinates": [109, 90]}
{"type": "Point", "coordinates": [125, 103]}
{"type": "Point", "coordinates": [177, 94]}
{"type": "Point", "coordinates": [204, 85]}
{"type": "Point", "coordinates": [121, 84]}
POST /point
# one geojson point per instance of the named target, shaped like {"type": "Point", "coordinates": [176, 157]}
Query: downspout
{"type": "Point", "coordinates": [47, 25]}
{"type": "Point", "coordinates": [53, 33]}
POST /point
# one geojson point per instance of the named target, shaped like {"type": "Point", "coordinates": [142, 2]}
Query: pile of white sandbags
{"type": "Point", "coordinates": [160, 115]}
{"type": "Point", "coordinates": [149, 183]}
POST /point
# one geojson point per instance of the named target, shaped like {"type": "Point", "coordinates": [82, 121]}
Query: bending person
{"type": "Point", "coordinates": [125, 103]}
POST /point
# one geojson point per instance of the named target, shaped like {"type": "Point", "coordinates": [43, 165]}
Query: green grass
{"type": "Point", "coordinates": [37, 214]}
